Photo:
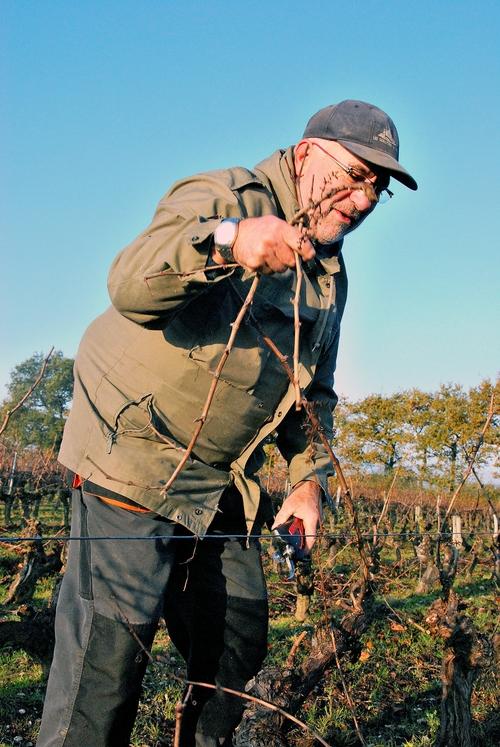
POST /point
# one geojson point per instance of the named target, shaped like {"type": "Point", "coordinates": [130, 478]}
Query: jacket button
{"type": "Point", "coordinates": [195, 238]}
{"type": "Point", "coordinates": [280, 413]}
{"type": "Point", "coordinates": [178, 517]}
{"type": "Point", "coordinates": [198, 511]}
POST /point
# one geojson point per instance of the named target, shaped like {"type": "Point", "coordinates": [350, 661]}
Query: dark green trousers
{"type": "Point", "coordinates": [211, 593]}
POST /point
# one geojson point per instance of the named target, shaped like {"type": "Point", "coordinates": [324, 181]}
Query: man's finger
{"type": "Point", "coordinates": [281, 517]}
{"type": "Point", "coordinates": [296, 240]}
{"type": "Point", "coordinates": [310, 531]}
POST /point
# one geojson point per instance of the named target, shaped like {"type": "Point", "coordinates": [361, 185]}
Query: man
{"type": "Point", "coordinates": [142, 376]}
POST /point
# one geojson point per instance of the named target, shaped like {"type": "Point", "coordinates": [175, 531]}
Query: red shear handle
{"type": "Point", "coordinates": [297, 529]}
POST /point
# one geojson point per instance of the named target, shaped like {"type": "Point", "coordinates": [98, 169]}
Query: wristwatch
{"type": "Point", "coordinates": [224, 237]}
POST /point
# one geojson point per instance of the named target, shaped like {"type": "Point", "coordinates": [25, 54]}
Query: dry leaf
{"type": "Point", "coordinates": [397, 627]}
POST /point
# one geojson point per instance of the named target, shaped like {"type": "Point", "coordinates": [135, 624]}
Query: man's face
{"type": "Point", "coordinates": [319, 174]}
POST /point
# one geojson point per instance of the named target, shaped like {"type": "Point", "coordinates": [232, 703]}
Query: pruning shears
{"type": "Point", "coordinates": [290, 544]}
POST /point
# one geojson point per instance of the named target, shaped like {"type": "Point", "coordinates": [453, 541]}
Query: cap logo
{"type": "Point", "coordinates": [385, 137]}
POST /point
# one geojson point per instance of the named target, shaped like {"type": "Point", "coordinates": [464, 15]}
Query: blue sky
{"type": "Point", "coordinates": [104, 104]}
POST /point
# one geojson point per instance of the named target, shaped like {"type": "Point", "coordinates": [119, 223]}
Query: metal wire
{"type": "Point", "coordinates": [346, 535]}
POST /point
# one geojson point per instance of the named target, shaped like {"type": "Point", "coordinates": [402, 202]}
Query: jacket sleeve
{"type": "Point", "coordinates": [166, 266]}
{"type": "Point", "coordinates": [298, 443]}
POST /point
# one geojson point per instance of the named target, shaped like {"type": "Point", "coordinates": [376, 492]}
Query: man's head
{"type": "Point", "coordinates": [346, 146]}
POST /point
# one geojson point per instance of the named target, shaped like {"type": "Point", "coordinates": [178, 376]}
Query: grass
{"type": "Point", "coordinates": [21, 698]}
{"type": "Point", "coordinates": [395, 684]}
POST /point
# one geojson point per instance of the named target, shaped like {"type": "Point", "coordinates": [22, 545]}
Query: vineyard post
{"type": "Point", "coordinates": [12, 475]}
{"type": "Point", "coordinates": [418, 518]}
{"type": "Point", "coordinates": [496, 525]}
{"type": "Point", "coordinates": [456, 531]}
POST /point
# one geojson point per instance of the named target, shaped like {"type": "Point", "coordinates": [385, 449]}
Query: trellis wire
{"type": "Point", "coordinates": [369, 536]}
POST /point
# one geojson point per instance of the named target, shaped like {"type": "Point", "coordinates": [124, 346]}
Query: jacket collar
{"type": "Point", "coordinates": [278, 173]}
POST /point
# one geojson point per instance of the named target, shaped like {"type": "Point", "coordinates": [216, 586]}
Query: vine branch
{"type": "Point", "coordinates": [30, 391]}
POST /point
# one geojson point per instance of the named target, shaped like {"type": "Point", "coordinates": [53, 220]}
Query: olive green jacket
{"type": "Point", "coordinates": [144, 367]}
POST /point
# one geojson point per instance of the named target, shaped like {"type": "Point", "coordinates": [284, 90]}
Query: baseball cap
{"type": "Point", "coordinates": [366, 131]}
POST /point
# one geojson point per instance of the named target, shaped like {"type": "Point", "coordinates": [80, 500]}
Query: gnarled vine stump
{"type": "Point", "coordinates": [465, 652]}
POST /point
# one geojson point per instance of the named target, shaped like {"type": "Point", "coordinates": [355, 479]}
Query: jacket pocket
{"type": "Point", "coordinates": [248, 357]}
{"type": "Point", "coordinates": [130, 417]}
{"type": "Point", "coordinates": [243, 367]}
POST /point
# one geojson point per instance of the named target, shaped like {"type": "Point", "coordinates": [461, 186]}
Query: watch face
{"type": "Point", "coordinates": [225, 233]}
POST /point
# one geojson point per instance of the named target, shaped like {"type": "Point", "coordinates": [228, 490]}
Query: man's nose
{"type": "Point", "coordinates": [359, 198]}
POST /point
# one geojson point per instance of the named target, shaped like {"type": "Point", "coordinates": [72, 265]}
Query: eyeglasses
{"type": "Point", "coordinates": [379, 187]}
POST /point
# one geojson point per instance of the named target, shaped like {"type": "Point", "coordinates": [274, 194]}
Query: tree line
{"type": "Point", "coordinates": [428, 435]}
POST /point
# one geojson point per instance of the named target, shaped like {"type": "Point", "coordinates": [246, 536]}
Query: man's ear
{"type": "Point", "coordinates": [301, 151]}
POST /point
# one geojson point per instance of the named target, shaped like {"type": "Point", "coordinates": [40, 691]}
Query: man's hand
{"type": "Point", "coordinates": [304, 502]}
{"type": "Point", "coordinates": [267, 245]}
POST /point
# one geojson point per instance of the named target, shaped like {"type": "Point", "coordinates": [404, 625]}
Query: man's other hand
{"type": "Point", "coordinates": [268, 244]}
{"type": "Point", "coordinates": [304, 502]}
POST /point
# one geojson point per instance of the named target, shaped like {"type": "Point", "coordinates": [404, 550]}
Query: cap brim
{"type": "Point", "coordinates": [378, 158]}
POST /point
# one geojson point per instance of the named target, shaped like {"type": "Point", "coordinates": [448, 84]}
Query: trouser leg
{"type": "Point", "coordinates": [108, 609]}
{"type": "Point", "coordinates": [216, 613]}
